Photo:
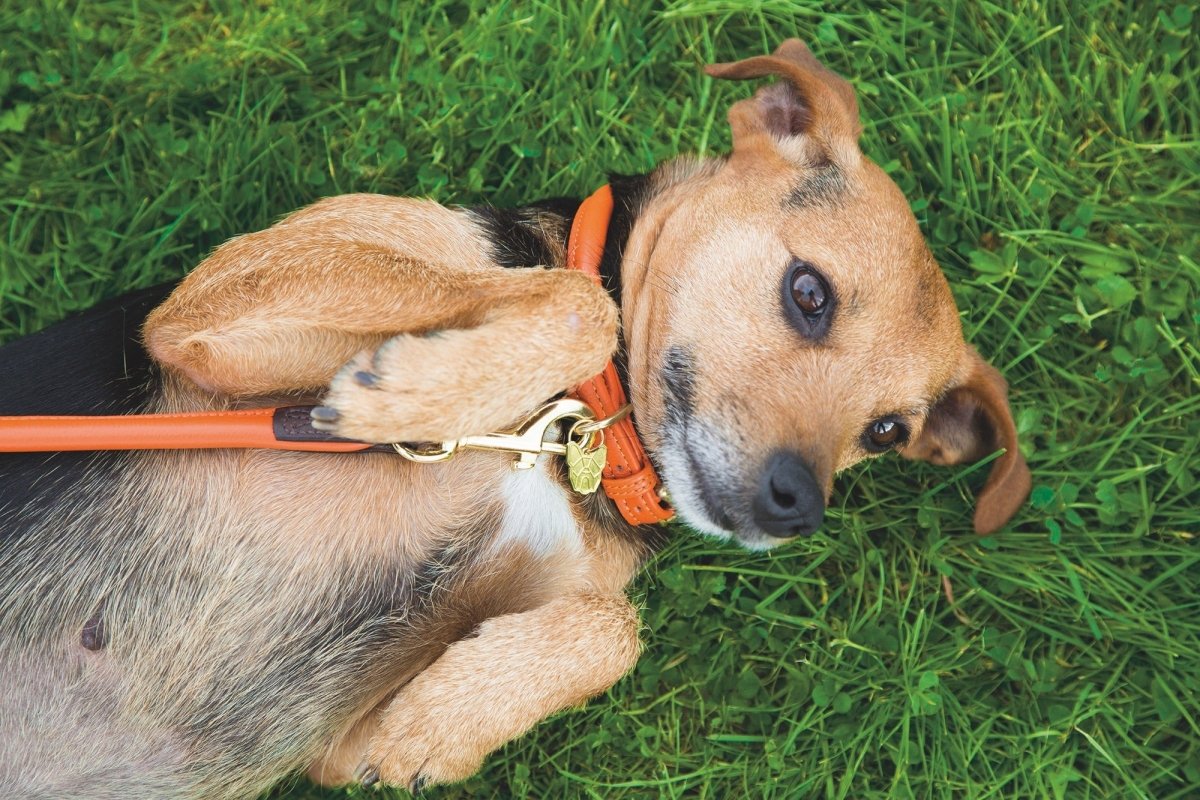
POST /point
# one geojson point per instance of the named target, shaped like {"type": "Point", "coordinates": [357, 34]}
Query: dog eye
{"type": "Point", "coordinates": [809, 292]}
{"type": "Point", "coordinates": [808, 300]}
{"type": "Point", "coordinates": [884, 434]}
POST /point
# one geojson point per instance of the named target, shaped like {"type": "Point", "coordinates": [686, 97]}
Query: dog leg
{"type": "Point", "coordinates": [490, 688]}
{"type": "Point", "coordinates": [551, 335]}
{"type": "Point", "coordinates": [441, 342]}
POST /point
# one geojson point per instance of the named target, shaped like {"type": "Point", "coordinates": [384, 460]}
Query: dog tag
{"type": "Point", "coordinates": [584, 467]}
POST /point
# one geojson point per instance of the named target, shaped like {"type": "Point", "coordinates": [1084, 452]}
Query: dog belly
{"type": "Point", "coordinates": [238, 643]}
{"type": "Point", "coordinates": [220, 702]}
{"type": "Point", "coordinates": [62, 734]}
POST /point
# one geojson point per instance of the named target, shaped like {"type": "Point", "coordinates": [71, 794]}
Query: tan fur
{"type": "Point", "coordinates": [283, 309]}
{"type": "Point", "coordinates": [493, 687]}
{"type": "Point", "coordinates": [393, 313]}
{"type": "Point", "coordinates": [490, 688]}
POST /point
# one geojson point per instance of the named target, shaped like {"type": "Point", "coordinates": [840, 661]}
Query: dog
{"type": "Point", "coordinates": [201, 623]}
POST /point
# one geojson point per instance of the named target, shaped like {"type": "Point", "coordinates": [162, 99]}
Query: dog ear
{"type": "Point", "coordinates": [810, 100]}
{"type": "Point", "coordinates": [971, 421]}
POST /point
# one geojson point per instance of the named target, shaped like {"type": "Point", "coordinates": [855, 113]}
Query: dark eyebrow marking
{"type": "Point", "coordinates": [821, 185]}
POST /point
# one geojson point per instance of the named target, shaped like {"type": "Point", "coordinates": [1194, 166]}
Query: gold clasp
{"type": "Point", "coordinates": [535, 437]}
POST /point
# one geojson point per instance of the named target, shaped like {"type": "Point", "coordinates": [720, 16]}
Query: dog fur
{"type": "Point", "coordinates": [201, 623]}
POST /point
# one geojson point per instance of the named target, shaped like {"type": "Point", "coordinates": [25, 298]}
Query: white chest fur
{"type": "Point", "coordinates": [538, 514]}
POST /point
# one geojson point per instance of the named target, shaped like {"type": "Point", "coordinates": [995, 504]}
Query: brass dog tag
{"type": "Point", "coordinates": [584, 467]}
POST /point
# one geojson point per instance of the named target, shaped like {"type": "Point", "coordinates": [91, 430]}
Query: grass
{"type": "Point", "coordinates": [1051, 152]}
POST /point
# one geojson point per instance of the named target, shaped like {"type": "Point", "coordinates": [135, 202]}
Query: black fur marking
{"type": "Point", "coordinates": [90, 363]}
{"type": "Point", "coordinates": [564, 207]}
{"type": "Point", "coordinates": [518, 235]}
{"type": "Point", "coordinates": [822, 185]}
{"type": "Point", "coordinates": [679, 379]}
{"type": "Point", "coordinates": [630, 193]}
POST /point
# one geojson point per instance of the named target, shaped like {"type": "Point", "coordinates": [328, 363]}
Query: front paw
{"type": "Point", "coordinates": [426, 388]}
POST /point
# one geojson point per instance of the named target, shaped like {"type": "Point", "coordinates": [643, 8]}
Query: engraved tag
{"type": "Point", "coordinates": [584, 467]}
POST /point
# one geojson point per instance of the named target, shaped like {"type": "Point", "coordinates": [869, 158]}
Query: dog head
{"type": "Point", "coordinates": [786, 320]}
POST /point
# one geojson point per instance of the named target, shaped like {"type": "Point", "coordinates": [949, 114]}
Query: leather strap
{"type": "Point", "coordinates": [629, 478]}
{"type": "Point", "coordinates": [284, 428]}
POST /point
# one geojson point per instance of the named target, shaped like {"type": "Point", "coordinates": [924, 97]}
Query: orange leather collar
{"type": "Point", "coordinates": [629, 478]}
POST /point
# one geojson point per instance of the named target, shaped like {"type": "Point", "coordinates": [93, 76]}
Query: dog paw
{"type": "Point", "coordinates": [427, 388]}
{"type": "Point", "coordinates": [416, 752]}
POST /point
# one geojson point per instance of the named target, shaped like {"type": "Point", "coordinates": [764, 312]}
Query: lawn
{"type": "Point", "coordinates": [1051, 151]}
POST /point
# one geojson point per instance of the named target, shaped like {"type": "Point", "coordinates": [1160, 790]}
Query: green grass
{"type": "Point", "coordinates": [1049, 149]}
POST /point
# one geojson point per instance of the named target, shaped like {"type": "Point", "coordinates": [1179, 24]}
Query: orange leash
{"type": "Point", "coordinates": [283, 428]}
{"type": "Point", "coordinates": [629, 478]}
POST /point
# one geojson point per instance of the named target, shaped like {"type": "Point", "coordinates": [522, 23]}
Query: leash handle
{"type": "Point", "coordinates": [284, 428]}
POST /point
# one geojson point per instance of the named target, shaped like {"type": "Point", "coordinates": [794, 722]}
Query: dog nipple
{"type": "Point", "coordinates": [574, 322]}
{"type": "Point", "coordinates": [92, 637]}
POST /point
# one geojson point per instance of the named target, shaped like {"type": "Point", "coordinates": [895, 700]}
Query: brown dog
{"type": "Point", "coordinates": [198, 624]}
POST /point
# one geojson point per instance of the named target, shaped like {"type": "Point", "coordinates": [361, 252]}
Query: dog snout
{"type": "Point", "coordinates": [789, 500]}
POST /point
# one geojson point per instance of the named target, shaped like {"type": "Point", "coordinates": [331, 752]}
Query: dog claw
{"type": "Point", "coordinates": [324, 414]}
{"type": "Point", "coordinates": [367, 379]}
{"type": "Point", "coordinates": [366, 775]}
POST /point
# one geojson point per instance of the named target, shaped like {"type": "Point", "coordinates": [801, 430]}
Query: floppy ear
{"type": "Point", "coordinates": [810, 100]}
{"type": "Point", "coordinates": [971, 421]}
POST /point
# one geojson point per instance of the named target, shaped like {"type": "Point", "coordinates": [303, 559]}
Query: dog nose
{"type": "Point", "coordinates": [789, 501]}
